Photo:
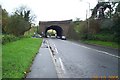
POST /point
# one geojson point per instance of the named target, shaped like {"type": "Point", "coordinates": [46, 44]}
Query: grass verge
{"type": "Point", "coordinates": [0, 61]}
{"type": "Point", "coordinates": [17, 57]}
{"type": "Point", "coordinates": [102, 43]}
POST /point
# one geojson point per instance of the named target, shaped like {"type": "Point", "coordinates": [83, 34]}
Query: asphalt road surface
{"type": "Point", "coordinates": [81, 61]}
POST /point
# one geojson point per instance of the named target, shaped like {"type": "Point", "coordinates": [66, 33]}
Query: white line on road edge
{"type": "Point", "coordinates": [59, 73]}
{"type": "Point", "coordinates": [98, 50]}
{"type": "Point", "coordinates": [55, 48]}
{"type": "Point", "coordinates": [62, 66]}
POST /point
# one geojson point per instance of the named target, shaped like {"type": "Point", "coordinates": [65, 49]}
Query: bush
{"type": "Point", "coordinates": [17, 25]}
{"type": "Point", "coordinates": [83, 36]}
{"type": "Point", "coordinates": [9, 38]}
{"type": "Point", "coordinates": [101, 37]}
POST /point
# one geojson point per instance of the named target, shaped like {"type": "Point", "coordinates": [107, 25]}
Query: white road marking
{"type": "Point", "coordinates": [59, 72]}
{"type": "Point", "coordinates": [61, 63]}
{"type": "Point", "coordinates": [55, 48]}
{"type": "Point", "coordinates": [95, 50]}
{"type": "Point", "coordinates": [98, 50]}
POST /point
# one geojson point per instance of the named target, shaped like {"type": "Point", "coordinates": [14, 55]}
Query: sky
{"type": "Point", "coordinates": [52, 10]}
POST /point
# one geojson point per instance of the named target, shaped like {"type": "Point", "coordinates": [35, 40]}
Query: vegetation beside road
{"type": "Point", "coordinates": [18, 48]}
{"type": "Point", "coordinates": [102, 29]}
{"type": "Point", "coordinates": [18, 55]}
{"type": "Point", "coordinates": [102, 43]}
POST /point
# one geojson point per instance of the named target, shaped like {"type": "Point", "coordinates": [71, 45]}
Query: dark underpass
{"type": "Point", "coordinates": [58, 30]}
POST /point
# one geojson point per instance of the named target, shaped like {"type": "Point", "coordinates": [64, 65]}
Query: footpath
{"type": "Point", "coordinates": [43, 66]}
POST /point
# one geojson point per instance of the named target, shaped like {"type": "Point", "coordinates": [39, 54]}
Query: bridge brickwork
{"type": "Point", "coordinates": [65, 25]}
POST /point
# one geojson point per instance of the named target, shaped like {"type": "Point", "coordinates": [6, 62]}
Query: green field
{"type": "Point", "coordinates": [17, 57]}
{"type": "Point", "coordinates": [102, 43]}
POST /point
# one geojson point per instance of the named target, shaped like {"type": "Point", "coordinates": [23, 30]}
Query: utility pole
{"type": "Point", "coordinates": [87, 19]}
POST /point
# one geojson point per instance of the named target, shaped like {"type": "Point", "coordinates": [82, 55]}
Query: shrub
{"type": "Point", "coordinates": [107, 37]}
{"type": "Point", "coordinates": [9, 38]}
{"type": "Point", "coordinates": [102, 37]}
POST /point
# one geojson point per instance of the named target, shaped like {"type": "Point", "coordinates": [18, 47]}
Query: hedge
{"type": "Point", "coordinates": [9, 38]}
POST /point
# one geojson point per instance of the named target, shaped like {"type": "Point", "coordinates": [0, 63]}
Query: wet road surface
{"type": "Point", "coordinates": [81, 61]}
{"type": "Point", "coordinates": [66, 59]}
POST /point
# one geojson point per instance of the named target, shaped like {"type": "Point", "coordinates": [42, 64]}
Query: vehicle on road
{"type": "Point", "coordinates": [58, 37]}
{"type": "Point", "coordinates": [48, 36]}
{"type": "Point", "coordinates": [53, 37]}
{"type": "Point", "coordinates": [63, 38]}
{"type": "Point", "coordinates": [37, 36]}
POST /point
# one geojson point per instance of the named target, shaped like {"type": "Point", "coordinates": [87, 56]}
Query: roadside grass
{"type": "Point", "coordinates": [17, 57]}
{"type": "Point", "coordinates": [0, 61]}
{"type": "Point", "coordinates": [1, 36]}
{"type": "Point", "coordinates": [102, 43]}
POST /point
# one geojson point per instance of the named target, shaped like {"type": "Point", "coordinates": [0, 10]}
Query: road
{"type": "Point", "coordinates": [81, 61]}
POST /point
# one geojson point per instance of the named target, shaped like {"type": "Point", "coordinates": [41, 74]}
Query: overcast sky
{"type": "Point", "coordinates": [51, 10]}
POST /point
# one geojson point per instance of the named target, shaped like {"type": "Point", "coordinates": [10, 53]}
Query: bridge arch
{"type": "Point", "coordinates": [61, 27]}
{"type": "Point", "coordinates": [57, 28]}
